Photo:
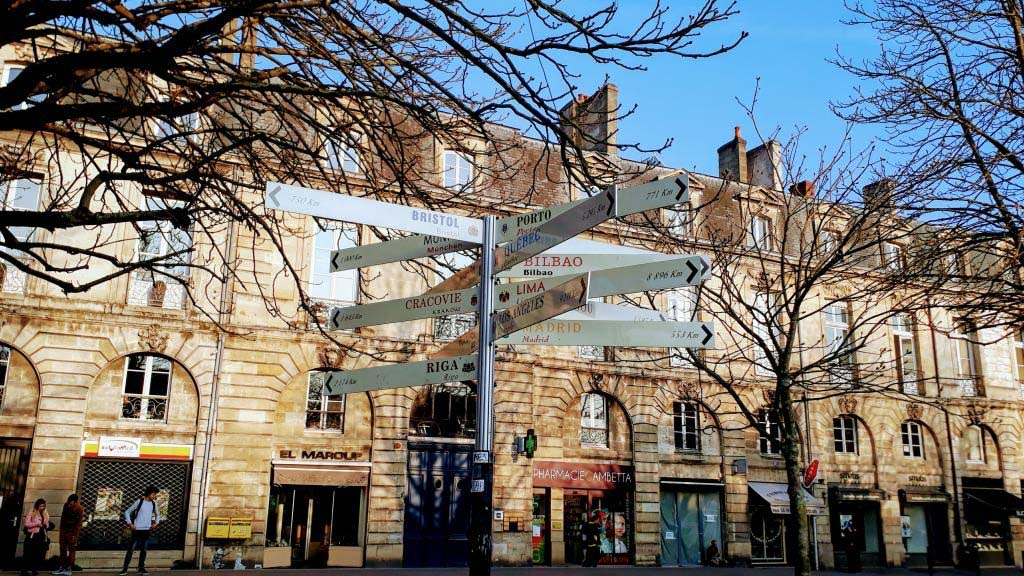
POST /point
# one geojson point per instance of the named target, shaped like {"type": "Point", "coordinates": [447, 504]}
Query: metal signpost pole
{"type": "Point", "coordinates": [483, 456]}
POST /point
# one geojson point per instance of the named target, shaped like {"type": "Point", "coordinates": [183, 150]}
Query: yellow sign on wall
{"type": "Point", "coordinates": [218, 527]}
{"type": "Point", "coordinates": [241, 528]}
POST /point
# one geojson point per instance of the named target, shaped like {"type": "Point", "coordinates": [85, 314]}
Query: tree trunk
{"type": "Point", "coordinates": [796, 524]}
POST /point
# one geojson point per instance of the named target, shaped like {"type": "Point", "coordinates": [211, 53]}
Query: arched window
{"type": "Point", "coordinates": [445, 411]}
{"type": "Point", "coordinates": [147, 386]}
{"type": "Point", "coordinates": [594, 420]}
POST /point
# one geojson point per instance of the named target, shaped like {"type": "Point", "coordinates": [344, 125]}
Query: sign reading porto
{"type": "Point", "coordinates": [323, 204]}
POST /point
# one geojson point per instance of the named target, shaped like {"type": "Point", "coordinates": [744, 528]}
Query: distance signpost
{"type": "Point", "coordinates": [551, 309]}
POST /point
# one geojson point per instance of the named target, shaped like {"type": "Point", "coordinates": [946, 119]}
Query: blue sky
{"type": "Point", "coordinates": [695, 101]}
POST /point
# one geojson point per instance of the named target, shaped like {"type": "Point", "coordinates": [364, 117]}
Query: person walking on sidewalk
{"type": "Point", "coordinates": [35, 525]}
{"type": "Point", "coordinates": [592, 540]}
{"type": "Point", "coordinates": [143, 516]}
{"type": "Point", "coordinates": [70, 526]}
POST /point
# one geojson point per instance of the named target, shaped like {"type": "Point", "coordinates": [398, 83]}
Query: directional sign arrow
{"type": "Point", "coordinates": [557, 300]}
{"type": "Point", "coordinates": [405, 309]}
{"type": "Point", "coordinates": [650, 334]}
{"type": "Point", "coordinates": [434, 371]}
{"type": "Point", "coordinates": [323, 204]}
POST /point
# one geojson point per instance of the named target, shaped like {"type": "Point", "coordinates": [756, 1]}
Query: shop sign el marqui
{"type": "Point", "coordinates": [331, 455]}
{"type": "Point", "coordinates": [580, 475]}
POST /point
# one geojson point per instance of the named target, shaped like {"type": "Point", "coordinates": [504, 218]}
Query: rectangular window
{"type": "Point", "coordinates": [963, 337]}
{"type": "Point", "coordinates": [1018, 354]}
{"type": "Point", "coordinates": [21, 194]}
{"type": "Point", "coordinates": [770, 420]}
{"type": "Point", "coordinates": [341, 288]}
{"type": "Point", "coordinates": [455, 325]}
{"type": "Point", "coordinates": [844, 434]}
{"type": "Point", "coordinates": [682, 307]}
{"type": "Point", "coordinates": [342, 153]}
{"type": "Point", "coordinates": [5, 364]}
{"type": "Point", "coordinates": [905, 353]}
{"type": "Point", "coordinates": [9, 74]}
{"type": "Point", "coordinates": [680, 221]}
{"type": "Point", "coordinates": [837, 341]}
{"type": "Point", "coordinates": [594, 420]}
{"type": "Point", "coordinates": [323, 412]}
{"type": "Point", "coordinates": [458, 171]}
{"type": "Point", "coordinates": [686, 423]}
{"type": "Point", "coordinates": [171, 250]}
{"type": "Point", "coordinates": [827, 243]}
{"type": "Point", "coordinates": [892, 257]}
{"type": "Point", "coordinates": [913, 446]}
{"type": "Point", "coordinates": [147, 387]}
{"type": "Point", "coordinates": [760, 233]}
{"type": "Point", "coordinates": [975, 440]}
{"type": "Point", "coordinates": [956, 267]}
{"type": "Point", "coordinates": [766, 327]}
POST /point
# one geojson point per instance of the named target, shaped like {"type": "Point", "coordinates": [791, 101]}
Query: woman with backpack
{"type": "Point", "coordinates": [37, 542]}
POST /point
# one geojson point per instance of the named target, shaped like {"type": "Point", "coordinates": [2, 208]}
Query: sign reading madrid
{"type": "Point", "coordinates": [323, 204]}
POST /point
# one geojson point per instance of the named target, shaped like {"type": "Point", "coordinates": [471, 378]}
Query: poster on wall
{"type": "Point", "coordinates": [905, 529]}
{"type": "Point", "coordinates": [109, 504]}
{"type": "Point", "coordinates": [845, 522]}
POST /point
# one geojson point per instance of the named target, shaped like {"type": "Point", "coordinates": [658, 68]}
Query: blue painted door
{"type": "Point", "coordinates": [437, 506]}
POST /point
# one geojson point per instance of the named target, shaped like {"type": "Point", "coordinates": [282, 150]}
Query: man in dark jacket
{"type": "Point", "coordinates": [70, 526]}
{"type": "Point", "coordinates": [592, 539]}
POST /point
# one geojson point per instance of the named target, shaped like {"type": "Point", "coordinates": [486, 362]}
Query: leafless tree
{"type": "Point", "coordinates": [948, 88]}
{"type": "Point", "coordinates": [168, 118]}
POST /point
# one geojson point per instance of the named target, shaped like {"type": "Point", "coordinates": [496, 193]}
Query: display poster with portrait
{"type": "Point", "coordinates": [109, 504]}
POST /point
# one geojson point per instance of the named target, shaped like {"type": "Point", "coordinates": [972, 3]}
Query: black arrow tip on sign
{"type": "Point", "coordinates": [708, 334]}
{"type": "Point", "coordinates": [611, 201]}
{"type": "Point", "coordinates": [693, 271]}
{"type": "Point", "coordinates": [334, 318]}
{"type": "Point", "coordinates": [682, 188]}
{"type": "Point", "coordinates": [334, 261]}
{"type": "Point", "coordinates": [704, 266]}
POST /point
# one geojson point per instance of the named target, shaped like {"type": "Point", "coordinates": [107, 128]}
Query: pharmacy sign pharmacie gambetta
{"type": "Point", "coordinates": [579, 475]}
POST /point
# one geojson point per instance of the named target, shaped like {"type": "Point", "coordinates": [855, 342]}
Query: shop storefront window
{"type": "Point", "coordinates": [686, 419]}
{"type": "Point", "coordinates": [844, 432]}
{"type": "Point", "coordinates": [913, 446]}
{"type": "Point", "coordinates": [594, 420]}
{"type": "Point", "coordinates": [615, 510]}
{"type": "Point", "coordinates": [767, 536]}
{"type": "Point", "coordinates": [323, 412]}
{"type": "Point", "coordinates": [312, 519]}
{"type": "Point", "coordinates": [445, 411]}
{"type": "Point", "coordinates": [147, 386]}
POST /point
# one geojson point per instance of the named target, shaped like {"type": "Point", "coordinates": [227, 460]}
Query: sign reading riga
{"type": "Point", "coordinates": [434, 371]}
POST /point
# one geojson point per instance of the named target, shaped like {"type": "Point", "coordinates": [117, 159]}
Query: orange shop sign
{"type": "Point", "coordinates": [121, 447]}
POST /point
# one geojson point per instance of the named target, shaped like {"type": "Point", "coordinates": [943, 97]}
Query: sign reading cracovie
{"type": "Point", "coordinates": [580, 475]}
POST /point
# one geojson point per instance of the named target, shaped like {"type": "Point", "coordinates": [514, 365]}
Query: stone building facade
{"type": "Point", "coordinates": [128, 385]}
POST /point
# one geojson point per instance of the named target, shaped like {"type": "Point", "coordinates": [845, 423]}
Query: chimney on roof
{"type": "Point", "coordinates": [764, 164]}
{"type": "Point", "coordinates": [591, 121]}
{"type": "Point", "coordinates": [803, 189]}
{"type": "Point", "coordinates": [732, 159]}
{"type": "Point", "coordinates": [878, 196]}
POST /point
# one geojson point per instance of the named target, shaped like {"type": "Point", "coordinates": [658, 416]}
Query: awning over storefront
{"type": "Point", "coordinates": [321, 476]}
{"type": "Point", "coordinates": [996, 499]}
{"type": "Point", "coordinates": [924, 495]}
{"type": "Point", "coordinates": [776, 495]}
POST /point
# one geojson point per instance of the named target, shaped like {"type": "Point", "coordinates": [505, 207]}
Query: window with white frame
{"type": "Point", "coordinates": [837, 340]}
{"type": "Point", "coordinates": [187, 125]}
{"type": "Point", "coordinates": [760, 232]}
{"type": "Point", "coordinates": [974, 438]}
{"type": "Point", "coordinates": [342, 152]}
{"type": "Point", "coordinates": [963, 337]}
{"type": "Point", "coordinates": [594, 420]}
{"type": "Point", "coordinates": [170, 250]}
{"type": "Point", "coordinates": [5, 365]}
{"type": "Point", "coordinates": [457, 171]}
{"type": "Point", "coordinates": [766, 327]}
{"type": "Point", "coordinates": [20, 194]}
{"type": "Point", "coordinates": [913, 440]}
{"type": "Point", "coordinates": [324, 286]}
{"type": "Point", "coordinates": [452, 326]}
{"type": "Point", "coordinates": [770, 442]}
{"type": "Point", "coordinates": [905, 353]}
{"type": "Point", "coordinates": [147, 387]}
{"type": "Point", "coordinates": [1018, 355]}
{"type": "Point", "coordinates": [892, 257]}
{"type": "Point", "coordinates": [828, 242]}
{"type": "Point", "coordinates": [323, 412]}
{"type": "Point", "coordinates": [844, 434]}
{"type": "Point", "coordinates": [680, 220]}
{"type": "Point", "coordinates": [956, 267]}
{"type": "Point", "coordinates": [686, 426]}
{"type": "Point", "coordinates": [682, 307]}
{"type": "Point", "coordinates": [12, 71]}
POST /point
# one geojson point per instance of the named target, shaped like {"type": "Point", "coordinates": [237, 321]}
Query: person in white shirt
{"type": "Point", "coordinates": [142, 517]}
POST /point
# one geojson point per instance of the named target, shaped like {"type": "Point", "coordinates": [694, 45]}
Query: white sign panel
{"type": "Point", "coordinates": [323, 204]}
{"type": "Point", "coordinates": [557, 332]}
{"type": "Point", "coordinates": [656, 194]}
{"type": "Point", "coordinates": [605, 311]}
{"type": "Point", "coordinates": [405, 309]}
{"type": "Point", "coordinates": [119, 447]}
{"type": "Point", "coordinates": [434, 371]}
{"type": "Point", "coordinates": [558, 264]}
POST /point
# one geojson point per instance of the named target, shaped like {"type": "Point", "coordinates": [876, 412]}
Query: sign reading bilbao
{"type": "Point", "coordinates": [580, 475]}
